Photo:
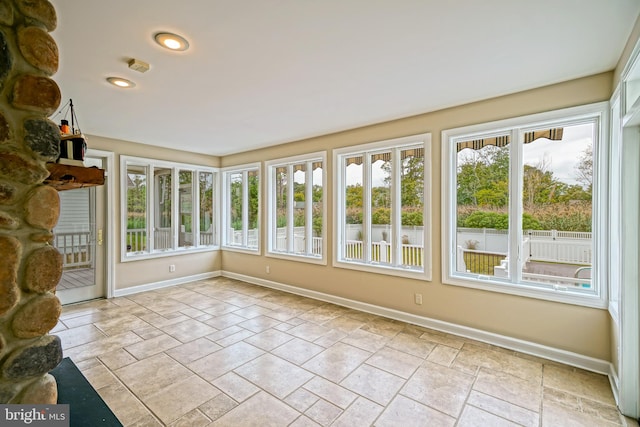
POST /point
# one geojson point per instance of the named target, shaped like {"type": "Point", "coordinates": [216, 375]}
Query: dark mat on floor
{"type": "Point", "coordinates": [86, 407]}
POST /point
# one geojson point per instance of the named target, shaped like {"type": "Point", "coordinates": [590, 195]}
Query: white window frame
{"type": "Point", "coordinates": [597, 112]}
{"type": "Point", "coordinates": [149, 166]}
{"type": "Point", "coordinates": [226, 204]}
{"type": "Point", "coordinates": [395, 145]}
{"type": "Point", "coordinates": [289, 163]}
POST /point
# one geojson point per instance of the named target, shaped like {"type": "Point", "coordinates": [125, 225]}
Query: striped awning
{"type": "Point", "coordinates": [554, 134]}
{"type": "Point", "coordinates": [386, 156]}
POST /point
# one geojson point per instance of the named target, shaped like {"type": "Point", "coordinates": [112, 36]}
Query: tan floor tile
{"type": "Point", "coordinates": [504, 386]}
{"type": "Point", "coordinates": [403, 412]}
{"type": "Point", "coordinates": [147, 376]}
{"type": "Point", "coordinates": [99, 376]}
{"type": "Point", "coordinates": [304, 421]}
{"type": "Point", "coordinates": [224, 333]}
{"type": "Point", "coordinates": [308, 331]}
{"type": "Point", "coordinates": [274, 375]}
{"type": "Point", "coordinates": [222, 361]}
{"type": "Point", "coordinates": [297, 351]}
{"type": "Point", "coordinates": [234, 338]}
{"type": "Point", "coordinates": [339, 396]}
{"type": "Point", "coordinates": [148, 420]}
{"type": "Point", "coordinates": [219, 309]}
{"type": "Point", "coordinates": [579, 382]}
{"type": "Point", "coordinates": [159, 321]}
{"type": "Point", "coordinates": [362, 412]}
{"type": "Point", "coordinates": [443, 355]}
{"type": "Point", "coordinates": [474, 417]}
{"type": "Point", "coordinates": [330, 338]}
{"type": "Point", "coordinates": [148, 332]}
{"type": "Point", "coordinates": [269, 339]}
{"type": "Point", "coordinates": [373, 383]}
{"type": "Point", "coordinates": [386, 327]}
{"type": "Point", "coordinates": [439, 387]}
{"type": "Point", "coordinates": [365, 340]}
{"type": "Point", "coordinates": [473, 355]}
{"type": "Point", "coordinates": [506, 410]}
{"type": "Point", "coordinates": [105, 345]}
{"type": "Point", "coordinates": [117, 359]}
{"type": "Point", "coordinates": [259, 411]}
{"type": "Point", "coordinates": [236, 387]}
{"type": "Point", "coordinates": [554, 415]}
{"type": "Point", "coordinates": [193, 418]}
{"type": "Point", "coordinates": [126, 407]}
{"type": "Point", "coordinates": [412, 345]}
{"type": "Point", "coordinates": [323, 412]}
{"type": "Point", "coordinates": [173, 401]}
{"type": "Point", "coordinates": [121, 324]}
{"type": "Point", "coordinates": [152, 346]}
{"type": "Point", "coordinates": [301, 399]}
{"type": "Point", "coordinates": [395, 362]}
{"type": "Point", "coordinates": [188, 330]}
{"type": "Point", "coordinates": [194, 350]}
{"type": "Point", "coordinates": [194, 313]}
{"type": "Point", "coordinates": [444, 339]}
{"type": "Point", "coordinates": [321, 315]}
{"type": "Point", "coordinates": [343, 324]}
{"type": "Point", "coordinates": [218, 406]}
{"type": "Point", "coordinates": [78, 336]}
{"type": "Point", "coordinates": [336, 362]}
{"type": "Point", "coordinates": [252, 311]}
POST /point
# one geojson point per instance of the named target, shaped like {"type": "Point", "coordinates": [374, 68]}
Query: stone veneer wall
{"type": "Point", "coordinates": [30, 268]}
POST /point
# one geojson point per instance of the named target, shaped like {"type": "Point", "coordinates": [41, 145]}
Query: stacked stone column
{"type": "Point", "coordinates": [30, 268]}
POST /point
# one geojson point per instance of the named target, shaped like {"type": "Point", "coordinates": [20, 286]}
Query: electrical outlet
{"type": "Point", "coordinates": [268, 269]}
{"type": "Point", "coordinates": [418, 299]}
{"type": "Point", "coordinates": [172, 268]}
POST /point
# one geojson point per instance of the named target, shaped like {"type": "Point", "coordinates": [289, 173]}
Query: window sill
{"type": "Point", "coordinates": [383, 269]}
{"type": "Point", "coordinates": [241, 249]}
{"type": "Point", "coordinates": [168, 253]}
{"type": "Point", "coordinates": [297, 258]}
{"type": "Point", "coordinates": [529, 291]}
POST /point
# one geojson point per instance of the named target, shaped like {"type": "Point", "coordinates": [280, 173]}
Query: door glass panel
{"type": "Point", "coordinates": [299, 208]}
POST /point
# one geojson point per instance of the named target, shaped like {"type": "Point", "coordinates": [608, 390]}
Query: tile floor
{"type": "Point", "coordinates": [221, 352]}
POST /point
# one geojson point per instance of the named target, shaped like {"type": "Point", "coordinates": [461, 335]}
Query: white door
{"type": "Point", "coordinates": [79, 236]}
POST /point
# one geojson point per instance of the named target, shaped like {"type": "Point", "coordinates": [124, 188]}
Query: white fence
{"type": "Point", "coordinates": [76, 249]}
{"type": "Point", "coordinates": [412, 255]}
{"type": "Point", "coordinates": [571, 247]}
{"type": "Point", "coordinates": [299, 241]}
{"type": "Point", "coordinates": [137, 239]}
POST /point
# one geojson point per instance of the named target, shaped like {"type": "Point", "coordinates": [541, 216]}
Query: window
{"type": "Point", "coordinates": [296, 207]}
{"type": "Point", "coordinates": [241, 207]}
{"type": "Point", "coordinates": [523, 205]}
{"type": "Point", "coordinates": [164, 211]}
{"type": "Point", "coordinates": [382, 207]}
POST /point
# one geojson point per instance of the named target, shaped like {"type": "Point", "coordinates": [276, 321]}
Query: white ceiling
{"type": "Point", "coordinates": [265, 72]}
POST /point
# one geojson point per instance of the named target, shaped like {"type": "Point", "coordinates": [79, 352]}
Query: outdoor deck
{"type": "Point", "coordinates": [76, 278]}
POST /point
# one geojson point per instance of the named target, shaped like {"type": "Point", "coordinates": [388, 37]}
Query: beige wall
{"type": "Point", "coordinates": [569, 327]}
{"type": "Point", "coordinates": [133, 273]}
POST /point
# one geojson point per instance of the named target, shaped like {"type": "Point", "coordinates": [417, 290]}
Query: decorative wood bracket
{"type": "Point", "coordinates": [69, 177]}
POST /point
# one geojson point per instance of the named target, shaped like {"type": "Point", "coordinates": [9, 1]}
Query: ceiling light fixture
{"type": "Point", "coordinates": [120, 82]}
{"type": "Point", "coordinates": [171, 41]}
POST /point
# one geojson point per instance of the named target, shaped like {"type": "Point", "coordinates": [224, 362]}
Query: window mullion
{"type": "Point", "coordinates": [396, 206]}
{"type": "Point", "coordinates": [366, 208]}
{"type": "Point", "coordinates": [308, 209]}
{"type": "Point", "coordinates": [151, 211]}
{"type": "Point", "coordinates": [516, 186]}
{"type": "Point", "coordinates": [290, 210]}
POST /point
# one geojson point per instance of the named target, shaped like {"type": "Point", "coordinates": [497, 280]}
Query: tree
{"type": "Point", "coordinates": [585, 168]}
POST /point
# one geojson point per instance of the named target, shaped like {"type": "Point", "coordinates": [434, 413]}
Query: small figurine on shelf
{"type": "Point", "coordinates": [73, 145]}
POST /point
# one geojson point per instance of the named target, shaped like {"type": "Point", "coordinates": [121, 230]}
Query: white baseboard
{"type": "Point", "coordinates": [569, 358]}
{"type": "Point", "coordinates": [165, 283]}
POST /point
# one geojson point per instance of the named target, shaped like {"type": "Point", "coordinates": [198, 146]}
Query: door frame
{"type": "Point", "coordinates": [109, 232]}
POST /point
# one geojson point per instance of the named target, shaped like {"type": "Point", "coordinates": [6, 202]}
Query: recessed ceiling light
{"type": "Point", "coordinates": [120, 82]}
{"type": "Point", "coordinates": [171, 41]}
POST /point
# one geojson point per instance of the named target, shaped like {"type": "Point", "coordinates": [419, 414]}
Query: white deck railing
{"type": "Point", "coordinates": [412, 255]}
{"type": "Point", "coordinates": [76, 249]}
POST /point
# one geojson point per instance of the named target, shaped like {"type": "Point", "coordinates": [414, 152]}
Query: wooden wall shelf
{"type": "Point", "coordinates": [69, 177]}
